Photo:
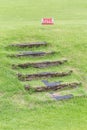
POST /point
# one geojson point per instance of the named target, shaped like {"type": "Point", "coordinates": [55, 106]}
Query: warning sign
{"type": "Point", "coordinates": [47, 21]}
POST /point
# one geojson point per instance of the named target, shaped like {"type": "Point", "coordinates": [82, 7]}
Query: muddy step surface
{"type": "Point", "coordinates": [69, 96]}
{"type": "Point", "coordinates": [34, 54]}
{"type": "Point", "coordinates": [30, 45]}
{"type": "Point", "coordinates": [43, 75]}
{"type": "Point", "coordinates": [51, 84]}
{"type": "Point", "coordinates": [40, 64]}
{"type": "Point", "coordinates": [54, 87]}
{"type": "Point", "coordinates": [57, 97]}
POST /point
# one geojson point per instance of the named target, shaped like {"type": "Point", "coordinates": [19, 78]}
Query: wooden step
{"type": "Point", "coordinates": [34, 54]}
{"type": "Point", "coordinates": [54, 88]}
{"type": "Point", "coordinates": [29, 77]}
{"type": "Point", "coordinates": [40, 64]}
{"type": "Point", "coordinates": [30, 45]}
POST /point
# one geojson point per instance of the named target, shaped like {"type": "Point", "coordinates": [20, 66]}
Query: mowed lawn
{"type": "Point", "coordinates": [20, 21]}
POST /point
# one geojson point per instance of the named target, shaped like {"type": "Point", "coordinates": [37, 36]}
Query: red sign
{"type": "Point", "coordinates": [47, 21]}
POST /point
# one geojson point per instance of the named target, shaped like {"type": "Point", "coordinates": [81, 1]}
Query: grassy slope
{"type": "Point", "coordinates": [20, 22]}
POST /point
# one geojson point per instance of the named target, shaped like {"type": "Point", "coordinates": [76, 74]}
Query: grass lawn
{"type": "Point", "coordinates": [20, 21]}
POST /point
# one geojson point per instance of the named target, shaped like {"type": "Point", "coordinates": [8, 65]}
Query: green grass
{"type": "Point", "coordinates": [20, 21]}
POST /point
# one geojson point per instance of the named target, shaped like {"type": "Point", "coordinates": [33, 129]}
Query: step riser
{"type": "Point", "coordinates": [33, 54]}
{"type": "Point", "coordinates": [42, 75]}
{"type": "Point", "coordinates": [54, 88]}
{"type": "Point", "coordinates": [39, 65]}
{"type": "Point", "coordinates": [30, 45]}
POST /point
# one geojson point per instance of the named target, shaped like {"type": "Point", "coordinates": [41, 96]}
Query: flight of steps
{"type": "Point", "coordinates": [42, 64]}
